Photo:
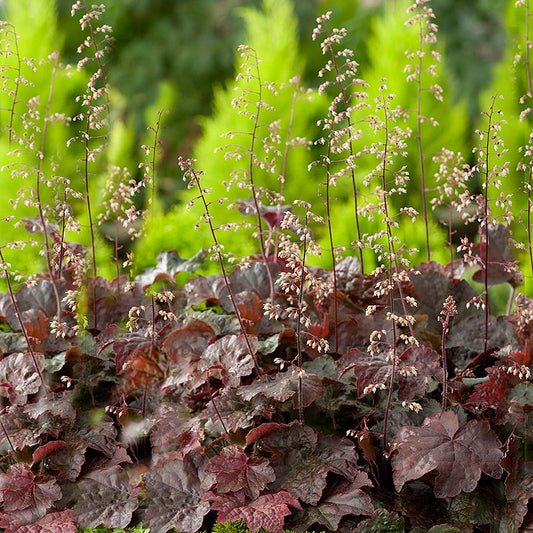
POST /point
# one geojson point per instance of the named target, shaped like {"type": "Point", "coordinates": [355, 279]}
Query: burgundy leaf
{"type": "Point", "coordinates": [432, 286]}
{"type": "Point", "coordinates": [63, 461]}
{"type": "Point", "coordinates": [22, 430]}
{"type": "Point", "coordinates": [36, 324]}
{"type": "Point", "coordinates": [342, 498]}
{"type": "Point", "coordinates": [235, 471]}
{"type": "Point", "coordinates": [500, 257]}
{"type": "Point", "coordinates": [414, 366]}
{"type": "Point", "coordinates": [201, 289]}
{"type": "Point", "coordinates": [48, 408]}
{"type": "Point", "coordinates": [53, 414]}
{"type": "Point", "coordinates": [238, 413]}
{"type": "Point", "coordinates": [519, 481]}
{"type": "Point", "coordinates": [184, 347]}
{"type": "Point", "coordinates": [267, 511]}
{"type": "Point", "coordinates": [262, 431]}
{"type": "Point", "coordinates": [230, 358]}
{"type": "Point", "coordinates": [62, 522]}
{"type": "Point", "coordinates": [39, 296]}
{"type": "Point", "coordinates": [174, 496]}
{"type": "Point", "coordinates": [459, 454]}
{"type": "Point", "coordinates": [99, 435]}
{"type": "Point", "coordinates": [129, 347]}
{"type": "Point", "coordinates": [48, 449]}
{"type": "Point", "coordinates": [250, 308]}
{"type": "Point", "coordinates": [417, 502]}
{"type": "Point", "coordinates": [25, 497]}
{"type": "Point", "coordinates": [112, 305]}
{"type": "Point", "coordinates": [173, 430]}
{"type": "Point", "coordinates": [283, 385]}
{"type": "Point", "coordinates": [382, 520]}
{"type": "Point", "coordinates": [253, 278]}
{"type": "Point", "coordinates": [168, 265]}
{"type": "Point", "coordinates": [302, 459]}
{"type": "Point", "coordinates": [104, 499]}
{"type": "Point", "coordinates": [188, 343]}
{"type": "Point", "coordinates": [19, 377]}
{"type": "Point", "coordinates": [427, 364]}
{"type": "Point", "coordinates": [493, 394]}
{"type": "Point", "coordinates": [355, 332]}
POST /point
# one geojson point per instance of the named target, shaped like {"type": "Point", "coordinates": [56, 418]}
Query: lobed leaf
{"type": "Point", "coordinates": [25, 497]}
{"type": "Point", "coordinates": [341, 498]}
{"type": "Point", "coordinates": [267, 511]}
{"type": "Point", "coordinates": [19, 377]}
{"type": "Point", "coordinates": [302, 458]}
{"type": "Point", "coordinates": [284, 385]}
{"type": "Point", "coordinates": [235, 471]}
{"type": "Point", "coordinates": [415, 365]}
{"type": "Point", "coordinates": [59, 522]}
{"type": "Point", "coordinates": [460, 454]}
{"type": "Point", "coordinates": [174, 496]}
{"type": "Point", "coordinates": [168, 264]}
{"type": "Point", "coordinates": [229, 357]}
{"type": "Point", "coordinates": [104, 499]}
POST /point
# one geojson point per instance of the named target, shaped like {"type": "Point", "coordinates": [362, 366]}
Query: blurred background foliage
{"type": "Point", "coordinates": [180, 55]}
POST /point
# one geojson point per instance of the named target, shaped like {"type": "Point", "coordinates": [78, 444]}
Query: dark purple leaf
{"type": "Point", "coordinates": [104, 499]}
{"type": "Point", "coordinates": [518, 483]}
{"type": "Point", "coordinates": [39, 296]}
{"type": "Point", "coordinates": [254, 279]}
{"type": "Point", "coordinates": [302, 459]}
{"type": "Point", "coordinates": [175, 431]}
{"type": "Point", "coordinates": [188, 343]}
{"type": "Point", "coordinates": [235, 471]}
{"type": "Point", "coordinates": [418, 503]}
{"type": "Point", "coordinates": [267, 511]}
{"type": "Point", "coordinates": [22, 430]}
{"type": "Point", "coordinates": [174, 496]}
{"type": "Point", "coordinates": [230, 358]}
{"type": "Point", "coordinates": [201, 289]}
{"type": "Point", "coordinates": [355, 333]}
{"type": "Point", "coordinates": [25, 497]}
{"type": "Point", "coordinates": [113, 301]}
{"type": "Point", "coordinates": [380, 521]}
{"type": "Point", "coordinates": [501, 262]}
{"type": "Point", "coordinates": [19, 377]}
{"type": "Point", "coordinates": [99, 435]}
{"type": "Point", "coordinates": [250, 308]}
{"type": "Point", "coordinates": [494, 395]}
{"type": "Point", "coordinates": [459, 454]}
{"type": "Point", "coordinates": [62, 522]}
{"type": "Point", "coordinates": [168, 265]}
{"type": "Point", "coordinates": [37, 327]}
{"type": "Point", "coordinates": [170, 421]}
{"type": "Point", "coordinates": [63, 459]}
{"type": "Point", "coordinates": [284, 385]}
{"type": "Point", "coordinates": [48, 449]}
{"type": "Point", "coordinates": [184, 347]}
{"type": "Point", "coordinates": [130, 347]}
{"type": "Point", "coordinates": [238, 413]}
{"type": "Point", "coordinates": [340, 499]}
{"type": "Point", "coordinates": [413, 367]}
{"type": "Point", "coordinates": [432, 286]}
{"type": "Point", "coordinates": [54, 415]}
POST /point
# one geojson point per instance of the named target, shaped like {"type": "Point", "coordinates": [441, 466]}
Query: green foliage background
{"type": "Point", "coordinates": [195, 85]}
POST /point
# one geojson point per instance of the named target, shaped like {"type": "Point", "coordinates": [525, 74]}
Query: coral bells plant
{"type": "Point", "coordinates": [274, 394]}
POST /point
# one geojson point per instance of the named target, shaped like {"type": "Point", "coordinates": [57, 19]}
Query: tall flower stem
{"type": "Point", "coordinates": [19, 317]}
{"type": "Point", "coordinates": [194, 177]}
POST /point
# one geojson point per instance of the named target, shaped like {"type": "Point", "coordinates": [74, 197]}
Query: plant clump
{"type": "Point", "coordinates": [275, 395]}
